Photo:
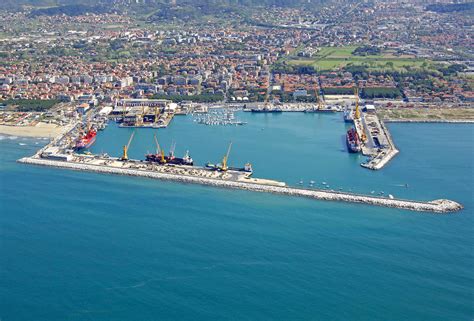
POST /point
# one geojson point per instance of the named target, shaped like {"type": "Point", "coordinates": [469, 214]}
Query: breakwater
{"type": "Point", "coordinates": [424, 120]}
{"type": "Point", "coordinates": [437, 206]}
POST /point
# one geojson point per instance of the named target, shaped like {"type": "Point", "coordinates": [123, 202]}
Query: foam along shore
{"type": "Point", "coordinates": [42, 130]}
{"type": "Point", "coordinates": [437, 206]}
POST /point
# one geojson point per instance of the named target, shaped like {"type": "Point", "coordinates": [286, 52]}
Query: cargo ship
{"type": "Point", "coordinates": [162, 159]}
{"type": "Point", "coordinates": [348, 115]}
{"type": "Point", "coordinates": [86, 141]}
{"type": "Point", "coordinates": [353, 141]}
{"type": "Point", "coordinates": [324, 109]}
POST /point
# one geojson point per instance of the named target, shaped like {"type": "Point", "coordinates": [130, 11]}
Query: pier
{"type": "Point", "coordinates": [234, 181]}
{"type": "Point", "coordinates": [378, 144]}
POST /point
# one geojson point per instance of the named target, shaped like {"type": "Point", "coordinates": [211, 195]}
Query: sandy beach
{"type": "Point", "coordinates": [40, 130]}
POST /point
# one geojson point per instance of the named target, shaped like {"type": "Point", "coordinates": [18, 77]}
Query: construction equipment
{"type": "Point", "coordinates": [267, 97]}
{"type": "Point", "coordinates": [126, 147]}
{"type": "Point", "coordinates": [224, 166]}
{"type": "Point", "coordinates": [172, 149]}
{"type": "Point", "coordinates": [318, 99]}
{"type": "Point", "coordinates": [159, 151]}
{"type": "Point", "coordinates": [157, 113]}
{"type": "Point", "coordinates": [139, 117]}
{"type": "Point", "coordinates": [357, 111]}
{"type": "Point", "coordinates": [124, 112]}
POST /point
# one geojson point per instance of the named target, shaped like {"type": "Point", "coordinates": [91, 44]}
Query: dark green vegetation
{"type": "Point", "coordinates": [184, 7]}
{"type": "Point", "coordinates": [24, 105]}
{"type": "Point", "coordinates": [338, 91]}
{"type": "Point", "coordinates": [203, 98]}
{"type": "Point", "coordinates": [381, 92]}
{"type": "Point", "coordinates": [366, 51]}
{"type": "Point", "coordinates": [70, 10]}
{"type": "Point", "coordinates": [375, 92]}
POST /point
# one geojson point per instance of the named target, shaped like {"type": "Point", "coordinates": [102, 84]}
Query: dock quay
{"type": "Point", "coordinates": [378, 145]}
{"type": "Point", "coordinates": [229, 179]}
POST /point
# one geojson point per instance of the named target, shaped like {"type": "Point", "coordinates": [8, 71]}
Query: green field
{"type": "Point", "coordinates": [331, 58]}
{"type": "Point", "coordinates": [24, 105]}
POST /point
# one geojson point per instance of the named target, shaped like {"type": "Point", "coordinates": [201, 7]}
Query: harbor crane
{"type": "Point", "coordinates": [159, 151]}
{"type": "Point", "coordinates": [172, 149]}
{"type": "Point", "coordinates": [357, 111]}
{"type": "Point", "coordinates": [224, 166]}
{"type": "Point", "coordinates": [139, 117]}
{"type": "Point", "coordinates": [318, 99]}
{"type": "Point", "coordinates": [357, 114]}
{"type": "Point", "coordinates": [157, 113]}
{"type": "Point", "coordinates": [126, 147]}
{"type": "Point", "coordinates": [124, 112]}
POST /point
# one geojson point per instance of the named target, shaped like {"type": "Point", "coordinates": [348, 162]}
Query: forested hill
{"type": "Point", "coordinates": [14, 4]}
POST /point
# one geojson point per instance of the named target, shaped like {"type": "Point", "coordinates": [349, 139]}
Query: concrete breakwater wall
{"type": "Point", "coordinates": [438, 206]}
{"type": "Point", "coordinates": [422, 120]}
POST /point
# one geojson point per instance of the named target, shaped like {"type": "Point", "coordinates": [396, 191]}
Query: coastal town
{"type": "Point", "coordinates": [236, 160]}
{"type": "Point", "coordinates": [288, 53]}
{"type": "Point", "coordinates": [67, 71]}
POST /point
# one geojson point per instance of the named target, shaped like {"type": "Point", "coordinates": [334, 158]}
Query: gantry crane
{"type": "Point", "coordinates": [139, 118]}
{"type": "Point", "coordinates": [126, 147]}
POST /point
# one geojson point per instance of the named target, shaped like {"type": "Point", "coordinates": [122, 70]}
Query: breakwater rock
{"type": "Point", "coordinates": [437, 206]}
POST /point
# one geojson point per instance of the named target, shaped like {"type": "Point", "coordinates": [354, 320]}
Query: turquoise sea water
{"type": "Point", "coordinates": [83, 246]}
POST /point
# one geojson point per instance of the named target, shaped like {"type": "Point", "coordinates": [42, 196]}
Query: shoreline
{"type": "Point", "coordinates": [436, 206]}
{"type": "Point", "coordinates": [41, 130]}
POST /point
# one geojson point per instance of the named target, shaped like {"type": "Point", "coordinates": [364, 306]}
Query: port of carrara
{"type": "Point", "coordinates": [368, 135]}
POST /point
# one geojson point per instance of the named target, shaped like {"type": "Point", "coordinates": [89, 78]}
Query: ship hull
{"type": "Point", "coordinates": [266, 110]}
{"type": "Point", "coordinates": [156, 158]}
{"type": "Point", "coordinates": [353, 147]}
{"type": "Point", "coordinates": [352, 141]}
{"type": "Point", "coordinates": [90, 143]}
{"type": "Point", "coordinates": [86, 142]}
{"type": "Point", "coordinates": [320, 111]}
{"type": "Point", "coordinates": [348, 120]}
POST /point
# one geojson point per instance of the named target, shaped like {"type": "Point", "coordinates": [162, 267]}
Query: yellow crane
{"type": "Point", "coordinates": [159, 150]}
{"type": "Point", "coordinates": [157, 113]}
{"type": "Point", "coordinates": [318, 99]}
{"type": "Point", "coordinates": [224, 166]}
{"type": "Point", "coordinates": [357, 111]}
{"type": "Point", "coordinates": [267, 97]}
{"type": "Point", "coordinates": [125, 148]}
{"type": "Point", "coordinates": [139, 119]}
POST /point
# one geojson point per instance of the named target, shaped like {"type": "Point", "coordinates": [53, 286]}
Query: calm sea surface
{"type": "Point", "coordinates": [83, 246]}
